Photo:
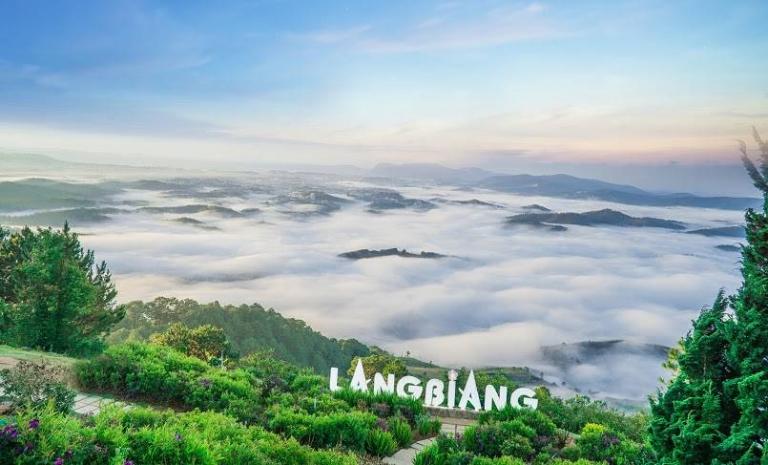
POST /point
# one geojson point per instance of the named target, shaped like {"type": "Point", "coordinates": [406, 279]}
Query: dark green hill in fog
{"type": "Point", "coordinates": [250, 328]}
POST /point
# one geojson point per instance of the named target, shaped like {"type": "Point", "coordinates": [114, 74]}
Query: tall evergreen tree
{"type": "Point", "coordinates": [715, 411]}
{"type": "Point", "coordinates": [53, 295]}
{"type": "Point", "coordinates": [748, 350]}
{"type": "Point", "coordinates": [694, 414]}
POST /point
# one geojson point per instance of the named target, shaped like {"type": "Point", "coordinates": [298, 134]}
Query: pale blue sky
{"type": "Point", "coordinates": [462, 82]}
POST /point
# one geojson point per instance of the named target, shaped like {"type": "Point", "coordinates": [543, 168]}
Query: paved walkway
{"type": "Point", "coordinates": [91, 404]}
{"type": "Point", "coordinates": [405, 456]}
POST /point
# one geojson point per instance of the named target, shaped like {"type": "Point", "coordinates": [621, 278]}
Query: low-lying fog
{"type": "Point", "coordinates": [502, 293]}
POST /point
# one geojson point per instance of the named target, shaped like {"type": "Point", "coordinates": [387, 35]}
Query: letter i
{"type": "Point", "coordinates": [452, 375]}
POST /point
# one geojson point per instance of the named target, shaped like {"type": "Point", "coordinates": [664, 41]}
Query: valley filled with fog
{"type": "Point", "coordinates": [498, 291]}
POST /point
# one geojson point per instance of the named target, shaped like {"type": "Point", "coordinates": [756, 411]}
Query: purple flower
{"type": "Point", "coordinates": [28, 447]}
{"type": "Point", "coordinates": [34, 423]}
{"type": "Point", "coordinates": [206, 383]}
{"type": "Point", "coordinates": [178, 437]}
{"type": "Point", "coordinates": [128, 462]}
{"type": "Point", "coordinates": [10, 432]}
{"type": "Point", "coordinates": [58, 461]}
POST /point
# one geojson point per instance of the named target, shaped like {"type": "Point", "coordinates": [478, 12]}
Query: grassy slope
{"type": "Point", "coordinates": [8, 352]}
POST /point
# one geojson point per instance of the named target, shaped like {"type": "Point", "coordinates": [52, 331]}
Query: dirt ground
{"type": "Point", "coordinates": [7, 362]}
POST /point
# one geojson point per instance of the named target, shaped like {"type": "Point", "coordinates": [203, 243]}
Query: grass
{"type": "Point", "coordinates": [25, 354]}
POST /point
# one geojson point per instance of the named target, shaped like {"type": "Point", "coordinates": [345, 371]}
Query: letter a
{"type": "Point", "coordinates": [359, 383]}
{"type": "Point", "coordinates": [469, 394]}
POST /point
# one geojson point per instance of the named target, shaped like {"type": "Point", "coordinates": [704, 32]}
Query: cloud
{"type": "Point", "coordinates": [507, 292]}
{"type": "Point", "coordinates": [455, 26]}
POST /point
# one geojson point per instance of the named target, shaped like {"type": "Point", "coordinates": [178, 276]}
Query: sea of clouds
{"type": "Point", "coordinates": [502, 293]}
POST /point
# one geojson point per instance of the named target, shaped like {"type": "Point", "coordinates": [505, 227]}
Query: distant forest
{"type": "Point", "coordinates": [249, 329]}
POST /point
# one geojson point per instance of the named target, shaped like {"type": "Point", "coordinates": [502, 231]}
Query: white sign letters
{"type": "Point", "coordinates": [434, 391]}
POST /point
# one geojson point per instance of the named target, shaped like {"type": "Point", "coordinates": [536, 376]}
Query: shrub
{"type": "Point", "coordinates": [158, 373]}
{"type": "Point", "coordinates": [574, 413]}
{"type": "Point", "coordinates": [406, 407]}
{"type": "Point", "coordinates": [35, 384]}
{"type": "Point", "coordinates": [401, 431]}
{"type": "Point", "coordinates": [427, 426]}
{"type": "Point", "coordinates": [430, 455]}
{"type": "Point", "coordinates": [496, 461]}
{"type": "Point", "coordinates": [345, 429]}
{"type": "Point", "coordinates": [496, 439]}
{"type": "Point", "coordinates": [206, 342]}
{"type": "Point", "coordinates": [598, 443]}
{"type": "Point", "coordinates": [380, 443]}
{"type": "Point", "coordinates": [147, 437]}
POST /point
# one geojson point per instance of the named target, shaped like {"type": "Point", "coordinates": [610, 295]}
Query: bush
{"type": "Point", "coordinates": [401, 431]}
{"type": "Point", "coordinates": [158, 373]}
{"type": "Point", "coordinates": [598, 443]}
{"type": "Point", "coordinates": [574, 413]}
{"type": "Point", "coordinates": [392, 404]}
{"type": "Point", "coordinates": [496, 461]}
{"type": "Point", "coordinates": [345, 429]}
{"type": "Point", "coordinates": [427, 426]}
{"type": "Point", "coordinates": [380, 443]}
{"type": "Point", "coordinates": [497, 439]}
{"type": "Point", "coordinates": [147, 437]}
{"type": "Point", "coordinates": [35, 384]}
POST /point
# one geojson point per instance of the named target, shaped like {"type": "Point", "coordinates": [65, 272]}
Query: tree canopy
{"type": "Point", "coordinates": [715, 410]}
{"type": "Point", "coordinates": [53, 294]}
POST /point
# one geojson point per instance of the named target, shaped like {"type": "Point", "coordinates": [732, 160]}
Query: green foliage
{"type": "Point", "coordinates": [401, 431]}
{"type": "Point", "coordinates": [161, 374]}
{"type": "Point", "coordinates": [598, 443]}
{"type": "Point", "coordinates": [346, 429]}
{"type": "Point", "coordinates": [32, 384]}
{"type": "Point", "coordinates": [696, 411]}
{"type": "Point", "coordinates": [502, 438]}
{"type": "Point", "coordinates": [379, 363]}
{"type": "Point", "coordinates": [380, 443]}
{"type": "Point", "coordinates": [53, 294]}
{"type": "Point", "coordinates": [383, 404]}
{"type": "Point", "coordinates": [427, 425]}
{"type": "Point", "coordinates": [205, 342]}
{"type": "Point", "coordinates": [149, 437]}
{"type": "Point", "coordinates": [574, 413]}
{"type": "Point", "coordinates": [249, 329]}
{"type": "Point", "coordinates": [714, 410]}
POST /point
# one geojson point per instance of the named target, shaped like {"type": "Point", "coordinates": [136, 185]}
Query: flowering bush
{"type": "Point", "coordinates": [145, 437]}
{"type": "Point", "coordinates": [35, 384]}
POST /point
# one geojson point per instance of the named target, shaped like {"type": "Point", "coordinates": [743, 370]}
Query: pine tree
{"type": "Point", "coordinates": [53, 295]}
{"type": "Point", "coordinates": [748, 352]}
{"type": "Point", "coordinates": [694, 414]}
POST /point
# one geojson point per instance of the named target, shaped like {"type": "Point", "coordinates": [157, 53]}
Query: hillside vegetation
{"type": "Point", "coordinates": [249, 328]}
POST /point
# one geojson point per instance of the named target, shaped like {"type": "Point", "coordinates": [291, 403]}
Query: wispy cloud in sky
{"type": "Point", "coordinates": [598, 80]}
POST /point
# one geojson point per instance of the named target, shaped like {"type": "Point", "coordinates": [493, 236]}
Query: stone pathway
{"type": "Point", "coordinates": [405, 456]}
{"type": "Point", "coordinates": [91, 404]}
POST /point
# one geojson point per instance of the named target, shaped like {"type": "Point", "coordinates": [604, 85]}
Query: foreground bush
{"type": "Point", "coordinates": [300, 404]}
{"type": "Point", "coordinates": [528, 436]}
{"type": "Point", "coordinates": [161, 374]}
{"type": "Point", "coordinates": [146, 437]}
{"type": "Point", "coordinates": [34, 385]}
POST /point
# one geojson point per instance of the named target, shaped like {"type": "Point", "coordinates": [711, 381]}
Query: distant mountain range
{"type": "Point", "coordinates": [559, 185]}
{"type": "Point", "coordinates": [593, 218]}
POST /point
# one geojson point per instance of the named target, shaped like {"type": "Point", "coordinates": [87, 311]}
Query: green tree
{"type": "Point", "coordinates": [716, 409]}
{"type": "Point", "coordinates": [379, 363]}
{"type": "Point", "coordinates": [53, 294]}
{"type": "Point", "coordinates": [695, 412]}
{"type": "Point", "coordinates": [748, 351]}
{"type": "Point", "coordinates": [206, 342]}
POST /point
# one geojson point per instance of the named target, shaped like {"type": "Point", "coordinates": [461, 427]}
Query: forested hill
{"type": "Point", "coordinates": [249, 328]}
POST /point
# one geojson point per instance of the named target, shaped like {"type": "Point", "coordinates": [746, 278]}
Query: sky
{"type": "Point", "coordinates": [489, 83]}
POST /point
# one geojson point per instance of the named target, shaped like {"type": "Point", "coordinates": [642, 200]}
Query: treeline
{"type": "Point", "coordinates": [248, 328]}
